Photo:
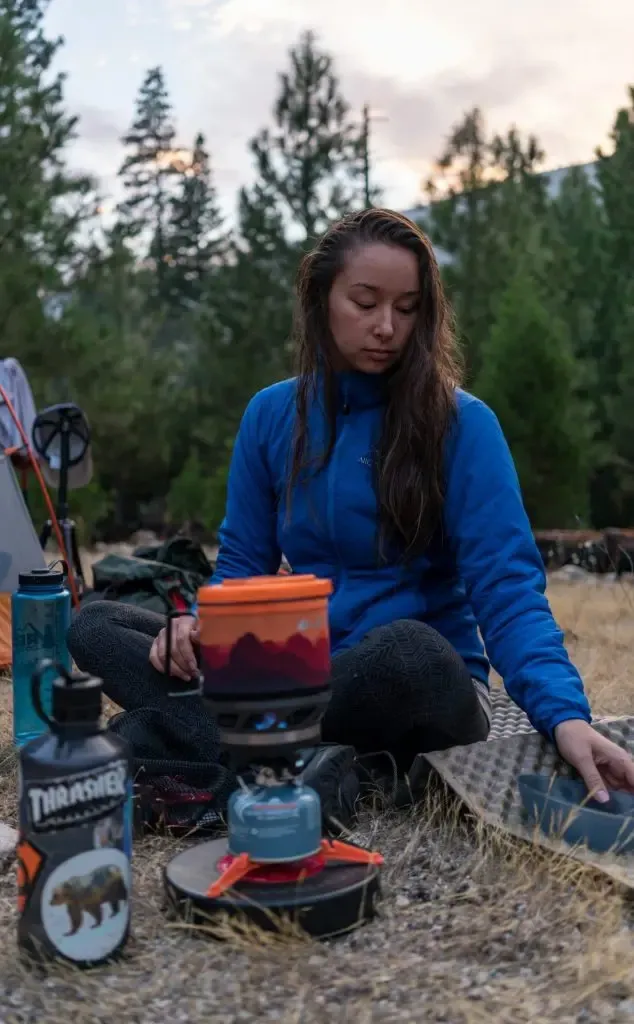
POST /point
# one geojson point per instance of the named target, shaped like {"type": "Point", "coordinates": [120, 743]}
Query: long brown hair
{"type": "Point", "coordinates": [421, 388]}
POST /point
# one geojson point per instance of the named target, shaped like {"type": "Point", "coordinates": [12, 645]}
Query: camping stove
{"type": "Point", "coordinates": [268, 697]}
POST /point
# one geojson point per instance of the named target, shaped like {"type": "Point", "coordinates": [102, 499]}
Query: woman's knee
{"type": "Point", "coordinates": [417, 649]}
{"type": "Point", "coordinates": [87, 629]}
{"type": "Point", "coordinates": [419, 660]}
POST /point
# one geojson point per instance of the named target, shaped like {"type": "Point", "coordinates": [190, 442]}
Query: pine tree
{"type": "Point", "coordinates": [123, 381]}
{"type": "Point", "coordinates": [612, 490]}
{"type": "Point", "coordinates": [616, 180]}
{"type": "Point", "coordinates": [457, 220]}
{"type": "Point", "coordinates": [580, 239]}
{"type": "Point", "coordinates": [528, 377]}
{"type": "Point", "coordinates": [244, 327]}
{"type": "Point", "coordinates": [242, 344]}
{"type": "Point", "coordinates": [261, 225]}
{"type": "Point", "coordinates": [484, 198]}
{"type": "Point", "coordinates": [517, 160]}
{"type": "Point", "coordinates": [196, 240]}
{"type": "Point", "coordinates": [464, 165]}
{"type": "Point", "coordinates": [42, 204]}
{"type": "Point", "coordinates": [149, 171]}
{"type": "Point", "coordinates": [312, 162]}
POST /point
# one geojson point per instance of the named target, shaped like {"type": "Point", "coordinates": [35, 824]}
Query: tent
{"type": "Point", "coordinates": [20, 549]}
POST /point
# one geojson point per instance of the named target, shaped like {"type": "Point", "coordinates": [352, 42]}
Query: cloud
{"type": "Point", "coordinates": [551, 68]}
{"type": "Point", "coordinates": [419, 114]}
{"type": "Point", "coordinates": [418, 118]}
{"type": "Point", "coordinates": [98, 127]}
{"type": "Point", "coordinates": [423, 68]}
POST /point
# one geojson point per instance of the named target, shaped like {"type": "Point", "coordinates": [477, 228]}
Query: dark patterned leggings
{"type": "Point", "coordinates": [402, 689]}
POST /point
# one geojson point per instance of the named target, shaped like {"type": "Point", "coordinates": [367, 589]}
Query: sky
{"type": "Point", "coordinates": [556, 68]}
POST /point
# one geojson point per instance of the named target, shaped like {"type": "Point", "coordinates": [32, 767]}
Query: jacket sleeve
{"type": "Point", "coordinates": [499, 562]}
{"type": "Point", "coordinates": [248, 533]}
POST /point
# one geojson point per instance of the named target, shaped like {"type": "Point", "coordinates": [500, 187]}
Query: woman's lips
{"type": "Point", "coordinates": [378, 355]}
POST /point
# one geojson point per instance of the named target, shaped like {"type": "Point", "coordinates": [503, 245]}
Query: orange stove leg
{"type": "Point", "coordinates": [234, 873]}
{"type": "Point", "coordinates": [334, 849]}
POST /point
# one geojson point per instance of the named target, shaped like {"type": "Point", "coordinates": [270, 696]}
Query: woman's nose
{"type": "Point", "coordinates": [384, 328]}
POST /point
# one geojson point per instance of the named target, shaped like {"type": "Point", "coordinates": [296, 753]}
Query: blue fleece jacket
{"type": "Point", "coordinates": [485, 571]}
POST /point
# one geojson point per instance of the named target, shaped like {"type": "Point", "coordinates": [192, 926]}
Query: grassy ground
{"type": "Point", "coordinates": [473, 928]}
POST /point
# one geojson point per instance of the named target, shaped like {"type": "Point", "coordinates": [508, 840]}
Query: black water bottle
{"type": "Point", "coordinates": [75, 845]}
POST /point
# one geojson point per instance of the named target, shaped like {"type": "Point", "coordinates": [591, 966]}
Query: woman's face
{"type": "Point", "coordinates": [373, 305]}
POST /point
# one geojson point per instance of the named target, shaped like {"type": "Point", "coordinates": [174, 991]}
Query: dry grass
{"type": "Point", "coordinates": [474, 927]}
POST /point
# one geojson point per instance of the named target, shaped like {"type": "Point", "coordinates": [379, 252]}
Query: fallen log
{"type": "Point", "coordinates": [598, 551]}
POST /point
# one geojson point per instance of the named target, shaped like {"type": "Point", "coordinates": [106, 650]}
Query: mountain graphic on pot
{"type": "Point", "coordinates": [268, 632]}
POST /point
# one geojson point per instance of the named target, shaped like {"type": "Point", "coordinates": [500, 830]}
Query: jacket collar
{"type": "Point", "coordinates": [357, 391]}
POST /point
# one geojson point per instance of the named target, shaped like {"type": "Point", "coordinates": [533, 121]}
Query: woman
{"type": "Point", "coordinates": [373, 468]}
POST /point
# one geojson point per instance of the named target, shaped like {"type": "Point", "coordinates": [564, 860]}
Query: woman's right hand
{"type": "Point", "coordinates": [184, 635]}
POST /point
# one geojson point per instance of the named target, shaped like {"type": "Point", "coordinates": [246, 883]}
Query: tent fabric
{"type": "Point", "coordinates": [14, 381]}
{"type": "Point", "coordinates": [20, 550]}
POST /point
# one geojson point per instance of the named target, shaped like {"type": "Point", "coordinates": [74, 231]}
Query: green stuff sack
{"type": "Point", "coordinates": [160, 577]}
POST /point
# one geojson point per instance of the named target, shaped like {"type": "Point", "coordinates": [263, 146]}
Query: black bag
{"type": "Point", "coordinates": [175, 786]}
{"type": "Point", "coordinates": [178, 792]}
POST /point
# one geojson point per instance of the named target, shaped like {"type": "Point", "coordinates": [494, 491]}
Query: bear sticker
{"type": "Point", "coordinates": [85, 904]}
{"type": "Point", "coordinates": [89, 894]}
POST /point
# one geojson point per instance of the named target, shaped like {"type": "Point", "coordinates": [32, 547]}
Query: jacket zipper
{"type": "Point", "coordinates": [332, 475]}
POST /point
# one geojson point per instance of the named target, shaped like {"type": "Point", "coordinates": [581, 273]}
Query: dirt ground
{"type": "Point", "coordinates": [473, 928]}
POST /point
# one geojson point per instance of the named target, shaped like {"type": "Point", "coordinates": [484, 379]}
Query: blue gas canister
{"type": "Point", "coordinates": [274, 824]}
{"type": "Point", "coordinates": [40, 617]}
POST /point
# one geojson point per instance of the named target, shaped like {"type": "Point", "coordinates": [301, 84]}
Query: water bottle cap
{"type": "Point", "coordinates": [76, 699]}
{"type": "Point", "coordinates": [41, 578]}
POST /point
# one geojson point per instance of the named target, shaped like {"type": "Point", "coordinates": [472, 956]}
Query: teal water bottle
{"type": "Point", "coordinates": [40, 617]}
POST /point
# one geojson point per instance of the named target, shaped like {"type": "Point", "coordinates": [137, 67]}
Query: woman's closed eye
{"type": "Point", "coordinates": [372, 305]}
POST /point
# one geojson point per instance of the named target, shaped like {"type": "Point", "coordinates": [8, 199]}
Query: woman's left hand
{"type": "Point", "coordinates": [601, 763]}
